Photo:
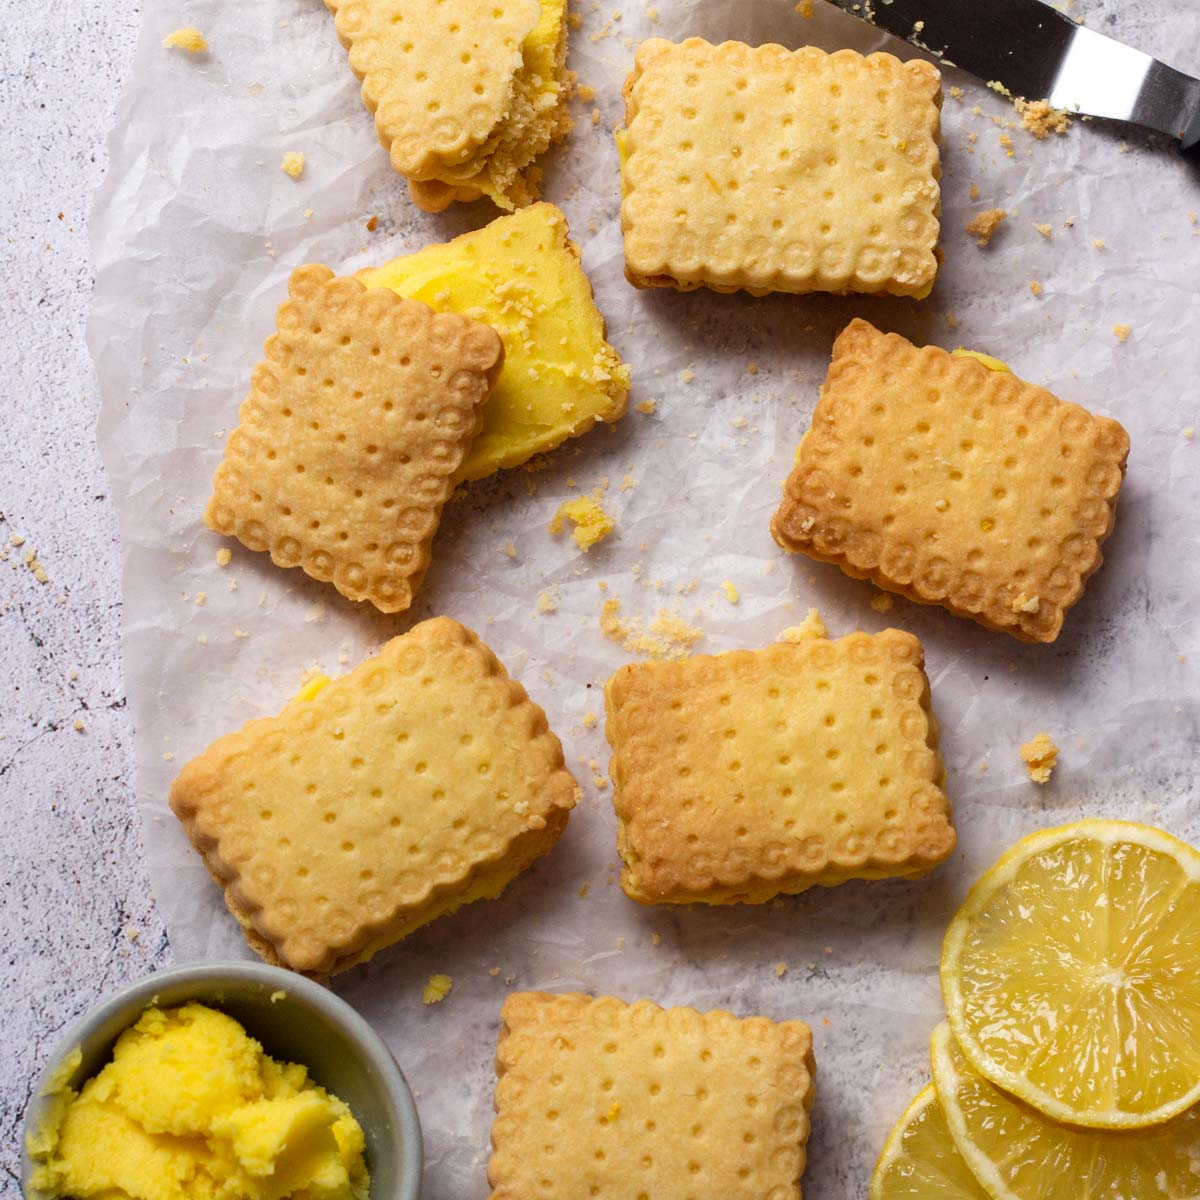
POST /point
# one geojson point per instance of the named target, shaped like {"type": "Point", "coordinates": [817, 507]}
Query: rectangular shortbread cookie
{"type": "Point", "coordinates": [741, 776]}
{"type": "Point", "coordinates": [776, 170]}
{"type": "Point", "coordinates": [522, 276]}
{"type": "Point", "coordinates": [465, 95]}
{"type": "Point", "coordinates": [599, 1098]}
{"type": "Point", "coordinates": [952, 482]}
{"type": "Point", "coordinates": [357, 420]}
{"type": "Point", "coordinates": [424, 779]}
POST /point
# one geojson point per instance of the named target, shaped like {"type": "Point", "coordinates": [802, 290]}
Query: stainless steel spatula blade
{"type": "Point", "coordinates": [1036, 52]}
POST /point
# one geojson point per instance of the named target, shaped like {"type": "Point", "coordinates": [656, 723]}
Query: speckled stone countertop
{"type": "Point", "coordinates": [76, 917]}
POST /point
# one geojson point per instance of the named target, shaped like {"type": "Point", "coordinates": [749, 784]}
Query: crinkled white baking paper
{"type": "Point", "coordinates": [195, 232]}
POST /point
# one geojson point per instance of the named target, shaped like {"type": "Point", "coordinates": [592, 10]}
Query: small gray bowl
{"type": "Point", "coordinates": [308, 1025]}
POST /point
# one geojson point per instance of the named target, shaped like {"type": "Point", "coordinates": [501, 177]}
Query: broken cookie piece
{"type": "Point", "coordinates": [466, 95]}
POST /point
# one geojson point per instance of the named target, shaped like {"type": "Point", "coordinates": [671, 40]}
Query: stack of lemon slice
{"type": "Point", "coordinates": [1069, 1066]}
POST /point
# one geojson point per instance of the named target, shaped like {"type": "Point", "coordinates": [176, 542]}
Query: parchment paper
{"type": "Point", "coordinates": [195, 232]}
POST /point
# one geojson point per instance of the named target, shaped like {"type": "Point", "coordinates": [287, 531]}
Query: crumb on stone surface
{"type": "Point", "coordinates": [882, 602]}
{"type": "Point", "coordinates": [224, 556]}
{"type": "Point", "coordinates": [437, 989]}
{"type": "Point", "coordinates": [1040, 756]}
{"type": "Point", "coordinates": [646, 407]}
{"type": "Point", "coordinates": [293, 164]}
{"type": "Point", "coordinates": [189, 38]}
{"type": "Point", "coordinates": [983, 227]}
{"type": "Point", "coordinates": [1045, 230]}
{"type": "Point", "coordinates": [1035, 288]}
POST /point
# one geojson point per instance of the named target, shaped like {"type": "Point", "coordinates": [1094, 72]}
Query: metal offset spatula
{"type": "Point", "coordinates": [1036, 52]}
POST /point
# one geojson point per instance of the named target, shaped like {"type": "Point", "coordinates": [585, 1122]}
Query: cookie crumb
{"type": "Point", "coordinates": [1122, 332]}
{"type": "Point", "coordinates": [983, 227]}
{"type": "Point", "coordinates": [1035, 288]}
{"type": "Point", "coordinates": [188, 38]}
{"type": "Point", "coordinates": [780, 970]}
{"type": "Point", "coordinates": [646, 407]}
{"type": "Point", "coordinates": [882, 602]}
{"type": "Point", "coordinates": [546, 603]}
{"type": "Point", "coordinates": [1045, 230]}
{"type": "Point", "coordinates": [1040, 756]}
{"type": "Point", "coordinates": [1189, 432]}
{"type": "Point", "coordinates": [1039, 118]}
{"type": "Point", "coordinates": [78, 725]}
{"type": "Point", "coordinates": [811, 627]}
{"type": "Point", "coordinates": [1026, 604]}
{"type": "Point", "coordinates": [592, 523]}
{"type": "Point", "coordinates": [730, 590]}
{"type": "Point", "coordinates": [224, 556]}
{"type": "Point", "coordinates": [293, 164]}
{"type": "Point", "coordinates": [437, 989]}
{"type": "Point", "coordinates": [590, 720]}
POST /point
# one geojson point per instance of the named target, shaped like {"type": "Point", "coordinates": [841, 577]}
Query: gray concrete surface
{"type": "Point", "coordinates": [76, 917]}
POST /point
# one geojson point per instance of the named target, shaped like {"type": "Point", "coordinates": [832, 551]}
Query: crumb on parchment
{"type": "Point", "coordinates": [730, 590]}
{"type": "Point", "coordinates": [983, 227]}
{"type": "Point", "coordinates": [646, 407]}
{"type": "Point", "coordinates": [189, 38]}
{"type": "Point", "coordinates": [882, 602]}
{"type": "Point", "coordinates": [1122, 332]}
{"type": "Point", "coordinates": [1040, 756]}
{"type": "Point", "coordinates": [437, 989]}
{"type": "Point", "coordinates": [668, 638]}
{"type": "Point", "coordinates": [1040, 119]}
{"type": "Point", "coordinates": [224, 556]}
{"type": "Point", "coordinates": [811, 627]}
{"type": "Point", "coordinates": [592, 523]}
{"type": "Point", "coordinates": [293, 164]}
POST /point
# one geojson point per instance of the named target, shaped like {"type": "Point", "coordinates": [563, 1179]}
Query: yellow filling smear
{"type": "Point", "coordinates": [521, 275]}
{"type": "Point", "coordinates": [311, 687]}
{"type": "Point", "coordinates": [992, 364]}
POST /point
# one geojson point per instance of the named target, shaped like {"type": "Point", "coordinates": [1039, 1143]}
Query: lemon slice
{"type": "Point", "coordinates": [1017, 1153]}
{"type": "Point", "coordinates": [919, 1160]}
{"type": "Point", "coordinates": [1071, 975]}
